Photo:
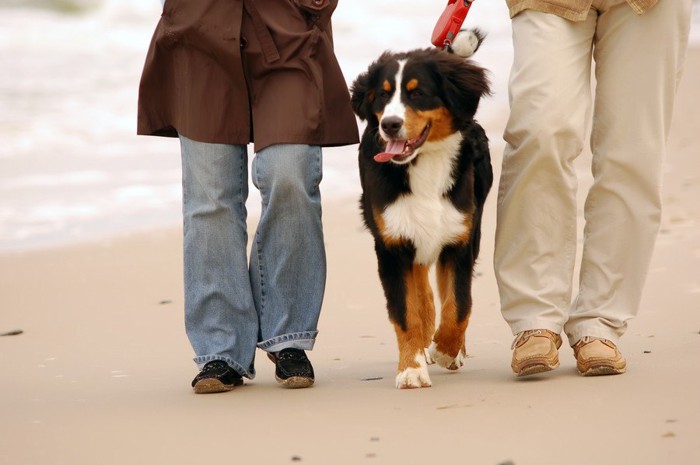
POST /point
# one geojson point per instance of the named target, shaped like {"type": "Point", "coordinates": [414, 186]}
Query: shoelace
{"type": "Point", "coordinates": [525, 335]}
{"type": "Point", "coordinates": [586, 339]}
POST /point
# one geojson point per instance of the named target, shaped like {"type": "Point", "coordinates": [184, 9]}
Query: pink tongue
{"type": "Point", "coordinates": [393, 147]}
{"type": "Point", "coordinates": [383, 157]}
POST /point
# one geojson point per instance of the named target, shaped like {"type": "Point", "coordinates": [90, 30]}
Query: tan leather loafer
{"type": "Point", "coordinates": [597, 357]}
{"type": "Point", "coordinates": [535, 351]}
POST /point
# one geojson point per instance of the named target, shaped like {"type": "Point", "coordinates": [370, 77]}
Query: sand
{"type": "Point", "coordinates": [101, 372]}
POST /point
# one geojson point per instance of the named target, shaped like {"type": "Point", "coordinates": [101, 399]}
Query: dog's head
{"type": "Point", "coordinates": [417, 98]}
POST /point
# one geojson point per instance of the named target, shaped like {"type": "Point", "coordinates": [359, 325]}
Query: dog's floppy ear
{"type": "Point", "coordinates": [363, 89]}
{"type": "Point", "coordinates": [361, 95]}
{"type": "Point", "coordinates": [464, 84]}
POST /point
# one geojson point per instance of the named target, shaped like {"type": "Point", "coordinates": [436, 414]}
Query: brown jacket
{"type": "Point", "coordinates": [237, 71]}
{"type": "Point", "coordinates": [574, 10]}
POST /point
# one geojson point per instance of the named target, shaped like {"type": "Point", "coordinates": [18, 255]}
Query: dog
{"type": "Point", "coordinates": [425, 172]}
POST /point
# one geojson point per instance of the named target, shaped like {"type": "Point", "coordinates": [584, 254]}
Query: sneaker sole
{"type": "Point", "coordinates": [535, 368]}
{"type": "Point", "coordinates": [602, 370]}
{"type": "Point", "coordinates": [212, 386]}
{"type": "Point", "coordinates": [295, 382]}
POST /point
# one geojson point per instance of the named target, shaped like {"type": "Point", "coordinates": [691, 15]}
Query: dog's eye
{"type": "Point", "coordinates": [384, 96]}
{"type": "Point", "coordinates": [417, 93]}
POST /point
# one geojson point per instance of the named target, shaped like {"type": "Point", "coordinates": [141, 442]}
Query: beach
{"type": "Point", "coordinates": [100, 371]}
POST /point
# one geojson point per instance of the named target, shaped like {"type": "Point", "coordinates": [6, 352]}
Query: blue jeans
{"type": "Point", "coordinates": [273, 300]}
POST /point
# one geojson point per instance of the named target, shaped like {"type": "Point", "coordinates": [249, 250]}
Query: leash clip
{"type": "Point", "coordinates": [450, 22]}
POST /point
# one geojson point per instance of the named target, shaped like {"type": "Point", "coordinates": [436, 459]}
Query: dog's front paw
{"type": "Point", "coordinates": [414, 377]}
{"type": "Point", "coordinates": [428, 358]}
{"type": "Point", "coordinates": [447, 361]}
{"type": "Point", "coordinates": [411, 378]}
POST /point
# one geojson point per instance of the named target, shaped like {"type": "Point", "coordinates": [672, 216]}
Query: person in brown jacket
{"type": "Point", "coordinates": [638, 47]}
{"type": "Point", "coordinates": [220, 75]}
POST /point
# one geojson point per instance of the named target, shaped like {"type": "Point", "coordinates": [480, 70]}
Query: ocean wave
{"type": "Point", "coordinates": [71, 166]}
{"type": "Point", "coordinates": [62, 6]}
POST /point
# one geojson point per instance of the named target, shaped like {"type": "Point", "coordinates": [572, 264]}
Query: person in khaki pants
{"type": "Point", "coordinates": [638, 47]}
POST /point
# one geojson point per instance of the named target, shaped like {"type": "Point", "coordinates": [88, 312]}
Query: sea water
{"type": "Point", "coordinates": [72, 168]}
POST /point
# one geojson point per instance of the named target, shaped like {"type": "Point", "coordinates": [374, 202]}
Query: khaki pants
{"type": "Point", "coordinates": [638, 61]}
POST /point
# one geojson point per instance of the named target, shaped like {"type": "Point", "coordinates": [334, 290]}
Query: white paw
{"type": "Point", "coordinates": [428, 359]}
{"type": "Point", "coordinates": [446, 361]}
{"type": "Point", "coordinates": [466, 42]}
{"type": "Point", "coordinates": [414, 377]}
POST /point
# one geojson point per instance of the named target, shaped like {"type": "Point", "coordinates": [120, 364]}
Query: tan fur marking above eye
{"type": "Point", "coordinates": [412, 84]}
{"type": "Point", "coordinates": [386, 86]}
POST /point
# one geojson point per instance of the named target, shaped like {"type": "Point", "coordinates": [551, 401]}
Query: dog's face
{"type": "Point", "coordinates": [417, 98]}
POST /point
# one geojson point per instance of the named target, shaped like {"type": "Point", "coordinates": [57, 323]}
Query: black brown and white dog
{"type": "Point", "coordinates": [425, 171]}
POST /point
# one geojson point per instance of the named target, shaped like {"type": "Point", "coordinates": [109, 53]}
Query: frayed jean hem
{"type": "Point", "coordinates": [302, 341]}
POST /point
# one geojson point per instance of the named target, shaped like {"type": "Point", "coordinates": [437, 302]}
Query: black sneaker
{"type": "Point", "coordinates": [293, 369]}
{"type": "Point", "coordinates": [216, 376]}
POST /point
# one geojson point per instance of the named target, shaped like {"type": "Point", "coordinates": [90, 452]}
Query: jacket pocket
{"type": "Point", "coordinates": [206, 25]}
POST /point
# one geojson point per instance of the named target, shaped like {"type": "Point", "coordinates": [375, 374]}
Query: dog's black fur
{"type": "Point", "coordinates": [440, 94]}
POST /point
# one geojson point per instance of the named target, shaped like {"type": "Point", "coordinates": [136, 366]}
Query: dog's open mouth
{"type": "Point", "coordinates": [399, 150]}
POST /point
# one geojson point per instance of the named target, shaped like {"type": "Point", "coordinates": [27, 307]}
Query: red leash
{"type": "Point", "coordinates": [450, 22]}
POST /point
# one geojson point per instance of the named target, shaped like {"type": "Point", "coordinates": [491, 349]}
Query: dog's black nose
{"type": "Point", "coordinates": [391, 125]}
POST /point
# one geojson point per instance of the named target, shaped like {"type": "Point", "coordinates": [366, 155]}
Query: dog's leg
{"type": "Point", "coordinates": [414, 337]}
{"type": "Point", "coordinates": [425, 307]}
{"type": "Point", "coordinates": [454, 278]}
{"type": "Point", "coordinates": [405, 291]}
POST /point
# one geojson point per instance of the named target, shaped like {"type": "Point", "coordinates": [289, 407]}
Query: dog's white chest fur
{"type": "Point", "coordinates": [425, 216]}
